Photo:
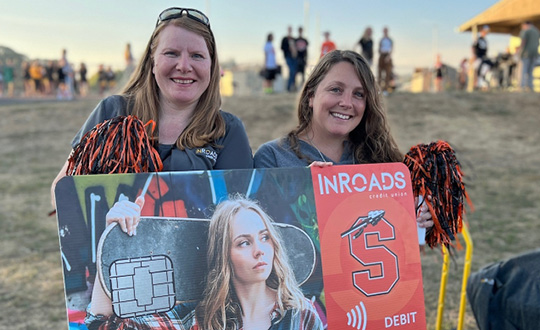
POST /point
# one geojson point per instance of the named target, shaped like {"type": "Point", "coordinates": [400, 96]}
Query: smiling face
{"type": "Point", "coordinates": [338, 103]}
{"type": "Point", "coordinates": [252, 248]}
{"type": "Point", "coordinates": [181, 67]}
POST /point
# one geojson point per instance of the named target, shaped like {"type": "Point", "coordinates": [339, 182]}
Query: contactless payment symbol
{"type": "Point", "coordinates": [357, 317]}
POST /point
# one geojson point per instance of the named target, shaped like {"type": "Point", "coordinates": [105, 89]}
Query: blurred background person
{"type": "Point", "coordinates": [128, 56]}
{"type": "Point", "coordinates": [9, 77]}
{"type": "Point", "coordinates": [111, 79]}
{"type": "Point", "coordinates": [36, 76]}
{"type": "Point", "coordinates": [65, 81]}
{"type": "Point", "coordinates": [69, 76]}
{"type": "Point", "coordinates": [528, 51]}
{"type": "Point", "coordinates": [288, 46]}
{"type": "Point", "coordinates": [270, 65]}
{"type": "Point", "coordinates": [130, 65]}
{"type": "Point", "coordinates": [439, 68]}
{"type": "Point", "coordinates": [60, 78]}
{"type": "Point", "coordinates": [27, 80]}
{"type": "Point", "coordinates": [102, 79]}
{"type": "Point", "coordinates": [366, 45]}
{"type": "Point", "coordinates": [505, 68]}
{"type": "Point", "coordinates": [385, 66]}
{"type": "Point", "coordinates": [463, 70]}
{"type": "Point", "coordinates": [83, 81]}
{"type": "Point", "coordinates": [328, 45]}
{"type": "Point", "coordinates": [301, 48]}
{"type": "Point", "coordinates": [48, 78]}
{"type": "Point", "coordinates": [482, 63]}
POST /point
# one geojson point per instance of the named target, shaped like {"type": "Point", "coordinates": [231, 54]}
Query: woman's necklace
{"type": "Point", "coordinates": [314, 146]}
{"type": "Point", "coordinates": [321, 154]}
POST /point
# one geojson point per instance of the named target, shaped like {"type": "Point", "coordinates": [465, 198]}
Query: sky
{"type": "Point", "coordinates": [96, 31]}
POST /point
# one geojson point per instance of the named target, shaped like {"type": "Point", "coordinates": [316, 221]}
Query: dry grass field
{"type": "Point", "coordinates": [494, 134]}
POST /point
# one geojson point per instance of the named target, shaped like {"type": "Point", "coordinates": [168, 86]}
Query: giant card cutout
{"type": "Point", "coordinates": [369, 247]}
{"type": "Point", "coordinates": [364, 214]}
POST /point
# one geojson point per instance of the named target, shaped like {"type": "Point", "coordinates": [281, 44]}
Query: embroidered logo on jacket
{"type": "Point", "coordinates": [208, 153]}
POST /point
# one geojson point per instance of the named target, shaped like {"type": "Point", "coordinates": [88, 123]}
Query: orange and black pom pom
{"type": "Point", "coordinates": [118, 145]}
{"type": "Point", "coordinates": [436, 172]}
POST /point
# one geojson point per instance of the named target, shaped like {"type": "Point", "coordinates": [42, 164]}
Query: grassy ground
{"type": "Point", "coordinates": [495, 136]}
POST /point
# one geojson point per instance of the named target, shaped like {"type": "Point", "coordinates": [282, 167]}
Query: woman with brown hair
{"type": "Point", "coordinates": [341, 120]}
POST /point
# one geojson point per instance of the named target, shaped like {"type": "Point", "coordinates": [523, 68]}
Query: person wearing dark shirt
{"type": "Point", "coordinates": [366, 45]}
{"type": "Point", "coordinates": [301, 48]}
{"type": "Point", "coordinates": [481, 61]}
{"type": "Point", "coordinates": [288, 46]}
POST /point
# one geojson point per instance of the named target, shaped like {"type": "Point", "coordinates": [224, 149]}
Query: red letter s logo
{"type": "Point", "coordinates": [375, 254]}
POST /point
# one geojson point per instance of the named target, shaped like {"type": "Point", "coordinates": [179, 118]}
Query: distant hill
{"type": "Point", "coordinates": [6, 52]}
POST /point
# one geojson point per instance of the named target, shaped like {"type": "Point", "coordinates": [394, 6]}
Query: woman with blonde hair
{"type": "Point", "coordinates": [250, 284]}
{"type": "Point", "coordinates": [366, 45]}
{"type": "Point", "coordinates": [176, 84]}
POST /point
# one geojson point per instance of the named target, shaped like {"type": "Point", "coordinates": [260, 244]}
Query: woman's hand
{"type": "Point", "coordinates": [59, 176]}
{"type": "Point", "coordinates": [320, 164]}
{"type": "Point", "coordinates": [127, 214]}
{"type": "Point", "coordinates": [423, 219]}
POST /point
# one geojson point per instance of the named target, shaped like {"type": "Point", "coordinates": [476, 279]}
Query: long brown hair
{"type": "Point", "coordinates": [220, 308]}
{"type": "Point", "coordinates": [371, 139]}
{"type": "Point", "coordinates": [142, 91]}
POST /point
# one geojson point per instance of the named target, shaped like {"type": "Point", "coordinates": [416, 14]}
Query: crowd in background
{"type": "Point", "coordinates": [509, 69]}
{"type": "Point", "coordinates": [295, 53]}
{"type": "Point", "coordinates": [59, 78]}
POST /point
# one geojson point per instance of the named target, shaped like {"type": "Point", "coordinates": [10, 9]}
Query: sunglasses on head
{"type": "Point", "coordinates": [176, 12]}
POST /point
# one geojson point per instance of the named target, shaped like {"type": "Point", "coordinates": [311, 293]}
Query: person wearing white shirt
{"type": "Point", "coordinates": [384, 72]}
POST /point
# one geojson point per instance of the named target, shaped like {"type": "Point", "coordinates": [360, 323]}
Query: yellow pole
{"type": "Point", "coordinates": [442, 289]}
{"type": "Point", "coordinates": [471, 74]}
{"type": "Point", "coordinates": [466, 273]}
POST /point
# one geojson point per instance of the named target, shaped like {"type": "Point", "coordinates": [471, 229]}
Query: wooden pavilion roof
{"type": "Point", "coordinates": [505, 17]}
